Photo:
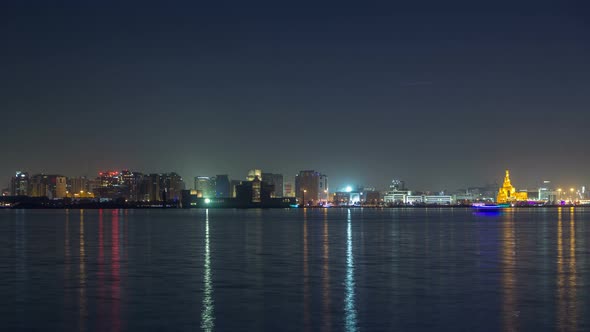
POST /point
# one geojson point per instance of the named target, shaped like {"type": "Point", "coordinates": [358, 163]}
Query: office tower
{"type": "Point", "coordinates": [253, 192]}
{"type": "Point", "coordinates": [131, 185]}
{"type": "Point", "coordinates": [173, 185]}
{"type": "Point", "coordinates": [78, 185]}
{"type": "Point", "coordinates": [111, 185]}
{"type": "Point", "coordinates": [19, 184]}
{"type": "Point", "coordinates": [288, 189]}
{"type": "Point", "coordinates": [150, 188]}
{"type": "Point", "coordinates": [275, 180]}
{"type": "Point", "coordinates": [311, 187]}
{"type": "Point", "coordinates": [51, 186]}
{"type": "Point", "coordinates": [222, 186]}
{"type": "Point", "coordinates": [205, 185]}
{"type": "Point", "coordinates": [109, 178]}
{"type": "Point", "coordinates": [254, 173]}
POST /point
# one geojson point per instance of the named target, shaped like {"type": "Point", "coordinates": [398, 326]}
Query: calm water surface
{"type": "Point", "coordinates": [295, 270]}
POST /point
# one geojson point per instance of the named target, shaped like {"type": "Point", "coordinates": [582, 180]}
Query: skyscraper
{"type": "Point", "coordinates": [173, 185]}
{"type": "Point", "coordinates": [132, 184]}
{"type": "Point", "coordinates": [222, 186]}
{"type": "Point", "coordinates": [311, 187]}
{"type": "Point", "coordinates": [19, 184]}
{"type": "Point", "coordinates": [206, 185]}
{"type": "Point", "coordinates": [276, 180]}
{"type": "Point", "coordinates": [51, 186]}
{"type": "Point", "coordinates": [150, 188]}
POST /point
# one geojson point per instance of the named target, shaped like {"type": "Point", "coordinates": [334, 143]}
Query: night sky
{"type": "Point", "coordinates": [442, 96]}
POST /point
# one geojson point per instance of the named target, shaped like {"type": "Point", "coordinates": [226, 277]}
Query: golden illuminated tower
{"type": "Point", "coordinates": [507, 193]}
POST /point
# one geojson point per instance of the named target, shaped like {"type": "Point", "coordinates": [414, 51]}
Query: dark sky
{"type": "Point", "coordinates": [441, 94]}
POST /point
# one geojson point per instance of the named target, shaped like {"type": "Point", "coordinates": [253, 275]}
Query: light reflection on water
{"type": "Point", "coordinates": [306, 290]}
{"type": "Point", "coordinates": [509, 282]}
{"type": "Point", "coordinates": [326, 297]}
{"type": "Point", "coordinates": [294, 270]}
{"type": "Point", "coordinates": [566, 274]}
{"type": "Point", "coordinates": [207, 315]}
{"type": "Point", "coordinates": [349, 304]}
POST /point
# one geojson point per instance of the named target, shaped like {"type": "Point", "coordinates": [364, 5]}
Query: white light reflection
{"type": "Point", "coordinates": [207, 318]}
{"type": "Point", "coordinates": [349, 301]}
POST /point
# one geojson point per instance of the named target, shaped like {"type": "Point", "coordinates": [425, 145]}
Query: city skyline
{"type": "Point", "coordinates": [445, 98]}
{"type": "Point", "coordinates": [190, 182]}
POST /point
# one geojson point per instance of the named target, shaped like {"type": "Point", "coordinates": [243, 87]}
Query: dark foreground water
{"type": "Point", "coordinates": [295, 270]}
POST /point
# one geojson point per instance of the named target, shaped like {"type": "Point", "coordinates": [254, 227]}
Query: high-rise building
{"type": "Point", "coordinates": [288, 189]}
{"type": "Point", "coordinates": [254, 173]}
{"type": "Point", "coordinates": [205, 185]}
{"type": "Point", "coordinates": [109, 178]}
{"type": "Point", "coordinates": [111, 185]}
{"type": "Point", "coordinates": [19, 184]}
{"type": "Point", "coordinates": [276, 180]}
{"type": "Point", "coordinates": [45, 185]}
{"type": "Point", "coordinates": [172, 185]}
{"type": "Point", "coordinates": [78, 185]}
{"type": "Point", "coordinates": [311, 187]}
{"type": "Point", "coordinates": [150, 188]}
{"type": "Point", "coordinates": [131, 183]}
{"type": "Point", "coordinates": [253, 192]}
{"type": "Point", "coordinates": [222, 186]}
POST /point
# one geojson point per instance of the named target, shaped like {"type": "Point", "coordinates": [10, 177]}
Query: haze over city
{"type": "Point", "coordinates": [443, 98]}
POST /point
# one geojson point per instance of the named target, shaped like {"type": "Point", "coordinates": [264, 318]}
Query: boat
{"type": "Point", "coordinates": [490, 206]}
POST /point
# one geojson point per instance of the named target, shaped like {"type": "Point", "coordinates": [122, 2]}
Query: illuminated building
{"type": "Point", "coordinates": [288, 189]}
{"type": "Point", "coordinates": [150, 188]}
{"type": "Point", "coordinates": [346, 198]}
{"type": "Point", "coordinates": [311, 188]}
{"type": "Point", "coordinates": [222, 186]}
{"type": "Point", "coordinates": [78, 184]}
{"type": "Point", "coordinates": [206, 185]}
{"type": "Point", "coordinates": [547, 194]}
{"type": "Point", "coordinates": [254, 173]}
{"type": "Point", "coordinates": [19, 184]}
{"type": "Point", "coordinates": [507, 193]}
{"type": "Point", "coordinates": [397, 193]}
{"type": "Point", "coordinates": [276, 180]}
{"type": "Point", "coordinates": [109, 178]}
{"type": "Point", "coordinates": [131, 182]}
{"type": "Point", "coordinates": [51, 186]}
{"type": "Point", "coordinates": [171, 185]}
{"type": "Point", "coordinates": [110, 185]}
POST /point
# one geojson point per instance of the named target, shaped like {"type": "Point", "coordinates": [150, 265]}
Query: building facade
{"type": "Point", "coordinates": [222, 186]}
{"type": "Point", "coordinates": [507, 193]}
{"type": "Point", "coordinates": [311, 188]}
{"type": "Point", "coordinates": [276, 180]}
{"type": "Point", "coordinates": [205, 185]}
{"type": "Point", "coordinates": [19, 184]}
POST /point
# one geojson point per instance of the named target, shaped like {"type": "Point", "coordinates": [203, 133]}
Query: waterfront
{"type": "Point", "coordinates": [295, 270]}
